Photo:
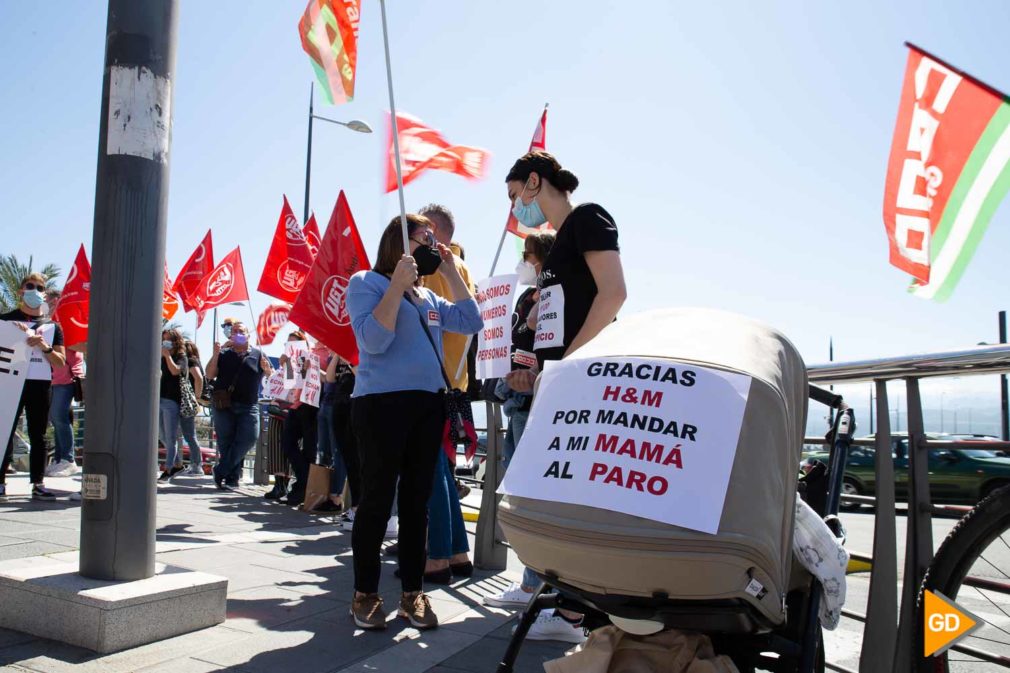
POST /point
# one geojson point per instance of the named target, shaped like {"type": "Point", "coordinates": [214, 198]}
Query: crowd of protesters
{"type": "Point", "coordinates": [379, 433]}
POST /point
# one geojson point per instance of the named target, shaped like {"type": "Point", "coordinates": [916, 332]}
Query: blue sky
{"type": "Point", "coordinates": [741, 147]}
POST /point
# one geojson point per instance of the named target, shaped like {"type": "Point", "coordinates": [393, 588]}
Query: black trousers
{"type": "Point", "coordinates": [347, 441]}
{"type": "Point", "coordinates": [301, 425]}
{"type": "Point", "coordinates": [399, 436]}
{"type": "Point", "coordinates": [35, 404]}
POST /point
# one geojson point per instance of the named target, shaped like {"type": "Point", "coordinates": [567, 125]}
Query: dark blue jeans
{"type": "Point", "coordinates": [237, 429]}
{"type": "Point", "coordinates": [446, 531]}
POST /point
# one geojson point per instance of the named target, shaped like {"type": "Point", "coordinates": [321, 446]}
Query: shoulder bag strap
{"type": "Point", "coordinates": [431, 340]}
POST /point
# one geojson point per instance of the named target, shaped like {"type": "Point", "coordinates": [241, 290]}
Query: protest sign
{"type": "Point", "coordinates": [13, 368]}
{"type": "Point", "coordinates": [313, 383]}
{"type": "Point", "coordinates": [648, 437]}
{"type": "Point", "coordinates": [275, 386]}
{"type": "Point", "coordinates": [495, 296]}
{"type": "Point", "coordinates": [295, 352]}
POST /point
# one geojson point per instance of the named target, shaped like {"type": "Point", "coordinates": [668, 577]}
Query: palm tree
{"type": "Point", "coordinates": [11, 273]}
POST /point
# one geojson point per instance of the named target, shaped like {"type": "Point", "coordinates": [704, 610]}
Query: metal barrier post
{"type": "Point", "coordinates": [260, 475]}
{"type": "Point", "coordinates": [882, 606]}
{"type": "Point", "coordinates": [919, 545]}
{"type": "Point", "coordinates": [490, 553]}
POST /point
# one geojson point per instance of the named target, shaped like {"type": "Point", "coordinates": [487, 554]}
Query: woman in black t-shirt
{"type": "Point", "coordinates": [581, 282]}
{"type": "Point", "coordinates": [173, 363]}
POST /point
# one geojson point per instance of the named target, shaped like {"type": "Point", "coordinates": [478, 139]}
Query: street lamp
{"type": "Point", "coordinates": [353, 125]}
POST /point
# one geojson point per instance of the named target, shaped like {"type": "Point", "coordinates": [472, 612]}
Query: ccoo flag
{"type": "Point", "coordinates": [422, 147]}
{"type": "Point", "coordinates": [947, 173]}
{"type": "Point", "coordinates": [329, 32]}
{"type": "Point", "coordinates": [539, 142]}
{"type": "Point", "coordinates": [224, 285]}
{"type": "Point", "coordinates": [289, 259]}
{"type": "Point", "coordinates": [321, 308]}
{"type": "Point", "coordinates": [75, 302]}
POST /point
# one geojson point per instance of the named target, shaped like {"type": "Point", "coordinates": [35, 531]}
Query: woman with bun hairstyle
{"type": "Point", "coordinates": [581, 282]}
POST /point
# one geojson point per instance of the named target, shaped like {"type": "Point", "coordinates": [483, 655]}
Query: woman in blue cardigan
{"type": "Point", "coordinates": [398, 406]}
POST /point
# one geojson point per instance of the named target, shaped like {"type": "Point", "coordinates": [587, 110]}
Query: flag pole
{"type": "Point", "coordinates": [252, 325]}
{"type": "Point", "coordinates": [991, 89]}
{"type": "Point", "coordinates": [396, 133]}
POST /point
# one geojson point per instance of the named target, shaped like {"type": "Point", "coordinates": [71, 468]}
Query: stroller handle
{"type": "Point", "coordinates": [825, 397]}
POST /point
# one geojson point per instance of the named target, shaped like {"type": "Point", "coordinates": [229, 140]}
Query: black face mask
{"type": "Point", "coordinates": [427, 259]}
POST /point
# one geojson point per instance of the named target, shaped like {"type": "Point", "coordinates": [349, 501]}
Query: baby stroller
{"type": "Point", "coordinates": [740, 586]}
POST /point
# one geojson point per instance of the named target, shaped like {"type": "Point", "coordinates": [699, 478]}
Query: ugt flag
{"type": "Point", "coordinates": [312, 237]}
{"type": "Point", "coordinates": [422, 147]}
{"type": "Point", "coordinates": [75, 302]}
{"type": "Point", "coordinates": [270, 321]}
{"type": "Point", "coordinates": [224, 285]}
{"type": "Point", "coordinates": [321, 308]}
{"type": "Point", "coordinates": [539, 142]}
{"type": "Point", "coordinates": [289, 259]}
{"type": "Point", "coordinates": [329, 32]}
{"type": "Point", "coordinates": [947, 172]}
{"type": "Point", "coordinates": [196, 268]}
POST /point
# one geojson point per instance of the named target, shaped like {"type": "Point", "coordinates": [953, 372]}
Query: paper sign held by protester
{"type": "Point", "coordinates": [275, 389]}
{"type": "Point", "coordinates": [295, 352]}
{"type": "Point", "coordinates": [313, 383]}
{"type": "Point", "coordinates": [13, 368]}
{"type": "Point", "coordinates": [495, 297]}
{"type": "Point", "coordinates": [650, 438]}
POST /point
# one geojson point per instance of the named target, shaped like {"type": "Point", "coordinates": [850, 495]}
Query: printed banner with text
{"type": "Point", "coordinates": [13, 368]}
{"type": "Point", "coordinates": [495, 297]}
{"type": "Point", "coordinates": [650, 438]}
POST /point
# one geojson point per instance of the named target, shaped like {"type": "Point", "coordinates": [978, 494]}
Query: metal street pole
{"type": "Point", "coordinates": [308, 156]}
{"type": "Point", "coordinates": [131, 207]}
{"type": "Point", "coordinates": [1004, 406]}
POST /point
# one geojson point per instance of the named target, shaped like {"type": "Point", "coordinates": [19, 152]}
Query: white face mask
{"type": "Point", "coordinates": [527, 273]}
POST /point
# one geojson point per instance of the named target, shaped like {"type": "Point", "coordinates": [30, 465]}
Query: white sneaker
{"type": "Point", "coordinates": [512, 597]}
{"type": "Point", "coordinates": [53, 469]}
{"type": "Point", "coordinates": [70, 469]}
{"type": "Point", "coordinates": [392, 527]}
{"type": "Point", "coordinates": [195, 470]}
{"type": "Point", "coordinates": [347, 520]}
{"type": "Point", "coordinates": [550, 626]}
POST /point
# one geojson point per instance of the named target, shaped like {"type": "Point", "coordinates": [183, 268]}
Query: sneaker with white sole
{"type": "Point", "coordinates": [71, 468]}
{"type": "Point", "coordinates": [195, 470]}
{"type": "Point", "coordinates": [347, 520]}
{"type": "Point", "coordinates": [512, 597]}
{"type": "Point", "coordinates": [58, 468]}
{"type": "Point", "coordinates": [392, 528]}
{"type": "Point", "coordinates": [40, 492]}
{"type": "Point", "coordinates": [551, 626]}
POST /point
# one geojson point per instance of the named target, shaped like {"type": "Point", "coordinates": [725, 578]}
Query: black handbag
{"type": "Point", "coordinates": [458, 412]}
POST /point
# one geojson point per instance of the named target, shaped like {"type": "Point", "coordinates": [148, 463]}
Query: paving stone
{"type": "Point", "coordinates": [415, 655]}
{"type": "Point", "coordinates": [189, 665]}
{"type": "Point", "coordinates": [263, 608]}
{"type": "Point", "coordinates": [33, 548]}
{"type": "Point", "coordinates": [10, 638]}
{"type": "Point", "coordinates": [483, 656]}
{"type": "Point", "coordinates": [211, 557]}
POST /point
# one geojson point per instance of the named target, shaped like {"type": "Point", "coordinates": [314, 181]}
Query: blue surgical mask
{"type": "Point", "coordinates": [33, 298]}
{"type": "Point", "coordinates": [167, 345]}
{"type": "Point", "coordinates": [529, 215]}
{"type": "Point", "coordinates": [227, 331]}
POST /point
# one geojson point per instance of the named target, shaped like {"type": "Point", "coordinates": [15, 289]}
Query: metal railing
{"type": "Point", "coordinates": [880, 651]}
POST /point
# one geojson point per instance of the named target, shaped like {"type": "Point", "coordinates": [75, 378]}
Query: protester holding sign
{"type": "Point", "coordinates": [300, 439]}
{"type": "Point", "coordinates": [237, 368]}
{"type": "Point", "coordinates": [66, 384]}
{"type": "Point", "coordinates": [398, 408]}
{"type": "Point", "coordinates": [581, 289]}
{"type": "Point", "coordinates": [46, 342]}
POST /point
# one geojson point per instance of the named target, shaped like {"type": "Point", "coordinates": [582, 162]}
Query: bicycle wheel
{"type": "Point", "coordinates": [972, 566]}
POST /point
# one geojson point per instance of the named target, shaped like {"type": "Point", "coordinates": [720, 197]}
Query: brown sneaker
{"type": "Point", "coordinates": [416, 607]}
{"type": "Point", "coordinates": [367, 612]}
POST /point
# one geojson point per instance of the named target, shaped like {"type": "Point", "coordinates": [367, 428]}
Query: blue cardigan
{"type": "Point", "coordinates": [403, 359]}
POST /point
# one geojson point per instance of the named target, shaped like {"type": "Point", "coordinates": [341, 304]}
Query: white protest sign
{"type": "Point", "coordinates": [295, 351]}
{"type": "Point", "coordinates": [13, 368]}
{"type": "Point", "coordinates": [651, 438]}
{"type": "Point", "coordinates": [495, 296]}
{"type": "Point", "coordinates": [275, 386]}
{"type": "Point", "coordinates": [313, 383]}
{"type": "Point", "coordinates": [550, 318]}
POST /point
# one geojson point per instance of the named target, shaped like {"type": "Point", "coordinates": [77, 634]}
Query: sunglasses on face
{"type": "Point", "coordinates": [426, 238]}
{"type": "Point", "coordinates": [32, 286]}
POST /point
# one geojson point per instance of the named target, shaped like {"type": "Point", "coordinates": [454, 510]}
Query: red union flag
{"type": "Point", "coordinates": [224, 285]}
{"type": "Point", "coordinates": [312, 237]}
{"type": "Point", "coordinates": [270, 321]}
{"type": "Point", "coordinates": [169, 302]}
{"type": "Point", "coordinates": [539, 142]}
{"type": "Point", "coordinates": [75, 302]}
{"type": "Point", "coordinates": [199, 264]}
{"type": "Point", "coordinates": [329, 32]}
{"type": "Point", "coordinates": [947, 172]}
{"type": "Point", "coordinates": [289, 259]}
{"type": "Point", "coordinates": [422, 147]}
{"type": "Point", "coordinates": [321, 309]}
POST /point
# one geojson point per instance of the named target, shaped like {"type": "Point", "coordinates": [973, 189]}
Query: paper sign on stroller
{"type": "Point", "coordinates": [653, 438]}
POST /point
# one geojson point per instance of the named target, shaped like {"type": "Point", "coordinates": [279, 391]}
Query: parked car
{"type": "Point", "coordinates": [962, 475]}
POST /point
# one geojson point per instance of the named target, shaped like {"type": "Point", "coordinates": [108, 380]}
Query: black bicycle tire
{"type": "Point", "coordinates": [962, 547]}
